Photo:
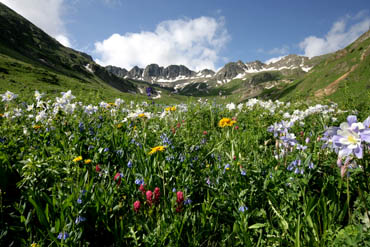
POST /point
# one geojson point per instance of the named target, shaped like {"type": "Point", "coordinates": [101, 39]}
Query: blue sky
{"type": "Point", "coordinates": [199, 34]}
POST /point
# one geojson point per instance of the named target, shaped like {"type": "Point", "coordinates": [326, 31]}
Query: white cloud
{"type": "Point", "coordinates": [44, 14]}
{"type": "Point", "coordinates": [274, 59]}
{"type": "Point", "coordinates": [194, 43]}
{"type": "Point", "coordinates": [338, 37]}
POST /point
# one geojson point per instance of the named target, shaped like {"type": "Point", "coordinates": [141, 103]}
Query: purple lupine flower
{"type": "Point", "coordinates": [63, 235]}
{"type": "Point", "coordinates": [243, 209]}
{"type": "Point", "coordinates": [80, 219]}
{"type": "Point", "coordinates": [139, 181]}
{"type": "Point", "coordinates": [188, 201]}
{"type": "Point", "coordinates": [129, 164]}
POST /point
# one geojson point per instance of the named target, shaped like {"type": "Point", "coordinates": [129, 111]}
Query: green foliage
{"type": "Point", "coordinates": [241, 190]}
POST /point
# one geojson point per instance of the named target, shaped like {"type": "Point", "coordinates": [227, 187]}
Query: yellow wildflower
{"type": "Point", "coordinates": [1, 115]}
{"type": "Point", "coordinates": [77, 159]}
{"type": "Point", "coordinates": [88, 161]}
{"type": "Point", "coordinates": [36, 127]}
{"type": "Point", "coordinates": [35, 245]}
{"type": "Point", "coordinates": [112, 104]}
{"type": "Point", "coordinates": [142, 115]}
{"type": "Point", "coordinates": [156, 149]}
{"type": "Point", "coordinates": [226, 122]}
{"type": "Point", "coordinates": [119, 125]}
{"type": "Point", "coordinates": [173, 108]}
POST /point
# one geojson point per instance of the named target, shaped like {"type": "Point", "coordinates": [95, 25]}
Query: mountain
{"type": "Point", "coordinates": [30, 59]}
{"type": "Point", "coordinates": [342, 76]}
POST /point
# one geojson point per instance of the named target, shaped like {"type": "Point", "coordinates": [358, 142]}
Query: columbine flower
{"type": "Point", "coordinates": [156, 149]}
{"type": "Point", "coordinates": [348, 139]}
{"type": "Point", "coordinates": [136, 206]}
{"type": "Point", "coordinates": [8, 96]}
{"type": "Point", "coordinates": [230, 106]}
{"type": "Point", "coordinates": [77, 159]}
{"type": "Point", "coordinates": [243, 173]}
{"type": "Point", "coordinates": [226, 122]}
{"type": "Point", "coordinates": [38, 95]}
{"type": "Point", "coordinates": [79, 200]}
{"type": "Point", "coordinates": [227, 167]}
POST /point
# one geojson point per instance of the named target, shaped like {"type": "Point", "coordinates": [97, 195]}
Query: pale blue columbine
{"type": "Point", "coordinates": [348, 139]}
{"type": "Point", "coordinates": [79, 200]}
{"type": "Point", "coordinates": [243, 173]}
{"type": "Point", "coordinates": [243, 209]}
{"type": "Point", "coordinates": [227, 167]}
{"type": "Point", "coordinates": [174, 190]}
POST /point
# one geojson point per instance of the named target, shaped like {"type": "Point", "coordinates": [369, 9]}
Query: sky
{"type": "Point", "coordinates": [197, 33]}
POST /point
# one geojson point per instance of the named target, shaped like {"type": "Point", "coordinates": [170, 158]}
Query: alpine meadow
{"type": "Point", "coordinates": [273, 153]}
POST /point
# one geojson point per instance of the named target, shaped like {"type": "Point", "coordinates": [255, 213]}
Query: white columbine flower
{"type": "Point", "coordinates": [8, 96]}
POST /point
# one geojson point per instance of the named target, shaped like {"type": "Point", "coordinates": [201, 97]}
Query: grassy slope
{"type": "Point", "coordinates": [31, 60]}
{"type": "Point", "coordinates": [355, 86]}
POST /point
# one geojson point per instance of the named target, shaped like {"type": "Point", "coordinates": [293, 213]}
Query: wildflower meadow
{"type": "Point", "coordinates": [259, 173]}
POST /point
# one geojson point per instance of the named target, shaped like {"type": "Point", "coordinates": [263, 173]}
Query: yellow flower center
{"type": "Point", "coordinates": [351, 139]}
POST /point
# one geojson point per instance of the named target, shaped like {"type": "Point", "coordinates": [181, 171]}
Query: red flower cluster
{"type": "Point", "coordinates": [179, 200]}
{"type": "Point", "coordinates": [150, 197]}
{"type": "Point", "coordinates": [142, 188]}
{"type": "Point", "coordinates": [136, 206]}
{"type": "Point", "coordinates": [117, 178]}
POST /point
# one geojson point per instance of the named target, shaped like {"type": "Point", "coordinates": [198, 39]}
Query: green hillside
{"type": "Point", "coordinates": [343, 76]}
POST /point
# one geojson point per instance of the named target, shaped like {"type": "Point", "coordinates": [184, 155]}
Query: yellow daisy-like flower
{"type": "Point", "coordinates": [35, 245]}
{"type": "Point", "coordinates": [88, 161]}
{"type": "Point", "coordinates": [119, 126]}
{"type": "Point", "coordinates": [36, 127]}
{"type": "Point", "coordinates": [77, 159]}
{"type": "Point", "coordinates": [226, 122]}
{"type": "Point", "coordinates": [112, 104]}
{"type": "Point", "coordinates": [142, 115]}
{"type": "Point", "coordinates": [156, 149]}
{"type": "Point", "coordinates": [173, 108]}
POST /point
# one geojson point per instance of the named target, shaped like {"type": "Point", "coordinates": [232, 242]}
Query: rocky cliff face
{"type": "Point", "coordinates": [120, 72]}
{"type": "Point", "coordinates": [176, 75]}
